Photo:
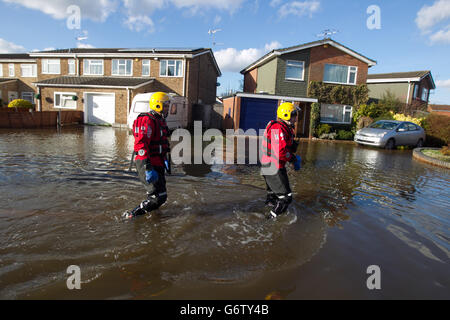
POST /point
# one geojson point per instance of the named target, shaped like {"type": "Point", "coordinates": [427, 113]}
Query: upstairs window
{"type": "Point", "coordinates": [93, 67]}
{"type": "Point", "coordinates": [72, 67]}
{"type": "Point", "coordinates": [28, 70]}
{"type": "Point", "coordinates": [11, 70]}
{"type": "Point", "coordinates": [146, 68]}
{"type": "Point", "coordinates": [51, 66]}
{"type": "Point", "coordinates": [171, 68]}
{"type": "Point", "coordinates": [338, 74]}
{"type": "Point", "coordinates": [295, 70]}
{"type": "Point", "coordinates": [122, 67]}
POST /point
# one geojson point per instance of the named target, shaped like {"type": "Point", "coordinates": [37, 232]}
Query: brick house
{"type": "Point", "coordinates": [288, 73]}
{"type": "Point", "coordinates": [109, 79]}
{"type": "Point", "coordinates": [411, 88]}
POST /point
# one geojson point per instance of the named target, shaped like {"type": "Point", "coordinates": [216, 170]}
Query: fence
{"type": "Point", "coordinates": [28, 120]}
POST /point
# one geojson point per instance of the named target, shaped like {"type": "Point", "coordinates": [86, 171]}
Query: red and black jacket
{"type": "Point", "coordinates": [278, 144]}
{"type": "Point", "coordinates": [151, 136]}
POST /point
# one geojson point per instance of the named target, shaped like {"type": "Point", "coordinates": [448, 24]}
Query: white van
{"type": "Point", "coordinates": [178, 112]}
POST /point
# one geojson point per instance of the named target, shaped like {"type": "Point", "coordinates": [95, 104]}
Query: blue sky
{"type": "Point", "coordinates": [414, 35]}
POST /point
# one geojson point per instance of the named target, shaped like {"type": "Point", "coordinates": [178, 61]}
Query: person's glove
{"type": "Point", "coordinates": [298, 163]}
{"type": "Point", "coordinates": [151, 176]}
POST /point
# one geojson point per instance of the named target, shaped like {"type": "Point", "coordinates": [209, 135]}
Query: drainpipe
{"type": "Point", "coordinates": [184, 76]}
{"type": "Point", "coordinates": [128, 104]}
{"type": "Point", "coordinates": [39, 100]}
{"type": "Point", "coordinates": [409, 91]}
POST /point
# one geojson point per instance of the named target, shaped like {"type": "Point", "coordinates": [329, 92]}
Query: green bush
{"type": "Point", "coordinates": [315, 118]}
{"type": "Point", "coordinates": [389, 102]}
{"type": "Point", "coordinates": [323, 129]}
{"type": "Point", "coordinates": [344, 135]}
{"type": "Point", "coordinates": [437, 129]}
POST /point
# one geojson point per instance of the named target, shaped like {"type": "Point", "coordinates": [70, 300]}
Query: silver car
{"type": "Point", "coordinates": [389, 134]}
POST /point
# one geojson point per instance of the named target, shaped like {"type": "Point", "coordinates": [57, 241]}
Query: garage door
{"type": "Point", "coordinates": [101, 108]}
{"type": "Point", "coordinates": [256, 113]}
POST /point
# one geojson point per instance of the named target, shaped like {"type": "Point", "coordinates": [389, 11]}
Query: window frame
{"type": "Point", "coordinates": [349, 68]}
{"type": "Point", "coordinates": [64, 93]}
{"type": "Point", "coordinates": [118, 67]}
{"type": "Point", "coordinates": [33, 70]}
{"type": "Point", "coordinates": [344, 110]}
{"type": "Point", "coordinates": [149, 66]}
{"type": "Point", "coordinates": [46, 62]}
{"type": "Point", "coordinates": [303, 71]}
{"type": "Point", "coordinates": [1, 71]}
{"type": "Point", "coordinates": [427, 91]}
{"type": "Point", "coordinates": [167, 68]}
{"type": "Point", "coordinates": [13, 73]}
{"type": "Point", "coordinates": [74, 63]}
{"type": "Point", "coordinates": [28, 93]}
{"type": "Point", "coordinates": [87, 62]}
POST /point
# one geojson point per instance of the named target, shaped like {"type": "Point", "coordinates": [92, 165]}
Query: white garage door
{"type": "Point", "coordinates": [101, 108]}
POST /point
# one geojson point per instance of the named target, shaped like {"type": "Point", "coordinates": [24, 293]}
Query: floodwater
{"type": "Point", "coordinates": [62, 195]}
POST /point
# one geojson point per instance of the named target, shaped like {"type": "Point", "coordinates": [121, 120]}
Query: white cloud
{"type": "Point", "coordinates": [442, 36]}
{"type": "Point", "coordinates": [95, 10]}
{"type": "Point", "coordinates": [233, 60]}
{"type": "Point", "coordinates": [84, 46]}
{"type": "Point", "coordinates": [139, 23]}
{"type": "Point", "coordinates": [429, 16]}
{"type": "Point", "coordinates": [275, 3]}
{"type": "Point", "coordinates": [9, 47]}
{"type": "Point", "coordinates": [299, 8]}
{"type": "Point", "coordinates": [443, 84]}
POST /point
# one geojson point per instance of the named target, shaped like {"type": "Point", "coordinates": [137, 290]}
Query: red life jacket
{"type": "Point", "coordinates": [151, 138]}
{"type": "Point", "coordinates": [281, 151]}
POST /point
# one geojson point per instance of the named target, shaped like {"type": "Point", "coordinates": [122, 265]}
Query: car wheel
{"type": "Point", "coordinates": [390, 145]}
{"type": "Point", "coordinates": [420, 143]}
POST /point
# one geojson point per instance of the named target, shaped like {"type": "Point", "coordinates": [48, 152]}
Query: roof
{"type": "Point", "coordinates": [107, 82]}
{"type": "Point", "coordinates": [439, 107]}
{"type": "Point", "coordinates": [6, 80]}
{"type": "Point", "coordinates": [279, 52]}
{"type": "Point", "coordinates": [121, 50]}
{"type": "Point", "coordinates": [15, 57]}
{"type": "Point", "coordinates": [410, 76]}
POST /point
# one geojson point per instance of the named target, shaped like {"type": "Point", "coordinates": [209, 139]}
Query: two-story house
{"type": "Point", "coordinates": [411, 88]}
{"type": "Point", "coordinates": [286, 74]}
{"type": "Point", "coordinates": [109, 79]}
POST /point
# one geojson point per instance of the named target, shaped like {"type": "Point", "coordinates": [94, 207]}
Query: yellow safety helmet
{"type": "Point", "coordinates": [158, 100]}
{"type": "Point", "coordinates": [286, 111]}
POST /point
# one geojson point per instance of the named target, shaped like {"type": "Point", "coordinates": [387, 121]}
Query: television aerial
{"type": "Point", "coordinates": [327, 33]}
{"type": "Point", "coordinates": [212, 33]}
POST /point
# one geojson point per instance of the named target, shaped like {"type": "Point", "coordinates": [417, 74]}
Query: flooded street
{"type": "Point", "coordinates": [62, 195]}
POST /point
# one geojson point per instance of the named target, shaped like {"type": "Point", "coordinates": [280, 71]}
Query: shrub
{"type": "Point", "coordinates": [344, 135]}
{"type": "Point", "coordinates": [438, 130]}
{"type": "Point", "coordinates": [372, 111]}
{"type": "Point", "coordinates": [315, 118]}
{"type": "Point", "coordinates": [446, 150]}
{"type": "Point", "coordinates": [389, 102]}
{"type": "Point", "coordinates": [20, 103]}
{"type": "Point", "coordinates": [402, 117]}
{"type": "Point", "coordinates": [323, 129]}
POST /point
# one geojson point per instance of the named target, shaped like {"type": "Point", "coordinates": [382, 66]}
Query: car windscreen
{"type": "Point", "coordinates": [384, 125]}
{"type": "Point", "coordinates": [141, 107]}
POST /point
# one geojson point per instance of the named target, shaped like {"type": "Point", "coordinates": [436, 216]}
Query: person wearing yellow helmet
{"type": "Point", "coordinates": [151, 147]}
{"type": "Point", "coordinates": [279, 148]}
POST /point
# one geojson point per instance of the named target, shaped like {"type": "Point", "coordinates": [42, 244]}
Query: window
{"type": "Point", "coordinates": [93, 67]}
{"type": "Point", "coordinates": [51, 66]}
{"type": "Point", "coordinates": [11, 70]}
{"type": "Point", "coordinates": [336, 113]}
{"type": "Point", "coordinates": [412, 127]}
{"type": "Point", "coordinates": [65, 100]}
{"type": "Point", "coordinates": [295, 70]}
{"type": "Point", "coordinates": [171, 68]}
{"type": "Point", "coordinates": [425, 94]}
{"type": "Point", "coordinates": [416, 91]}
{"type": "Point", "coordinates": [146, 68]}
{"type": "Point", "coordinates": [29, 96]}
{"type": "Point", "coordinates": [1, 72]}
{"type": "Point", "coordinates": [122, 67]}
{"type": "Point", "coordinates": [141, 107]}
{"type": "Point", "coordinates": [173, 109]}
{"type": "Point", "coordinates": [72, 67]}
{"type": "Point", "coordinates": [334, 73]}
{"type": "Point", "coordinates": [28, 70]}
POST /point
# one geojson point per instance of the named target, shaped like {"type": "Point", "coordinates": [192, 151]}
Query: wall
{"type": "Point", "coordinates": [267, 77]}
{"type": "Point", "coordinates": [201, 86]}
{"type": "Point", "coordinates": [322, 55]}
{"type": "Point", "coordinates": [47, 99]}
{"type": "Point", "coordinates": [250, 81]}
{"type": "Point", "coordinates": [293, 88]}
{"type": "Point", "coordinates": [377, 90]}
{"type": "Point", "coordinates": [7, 87]}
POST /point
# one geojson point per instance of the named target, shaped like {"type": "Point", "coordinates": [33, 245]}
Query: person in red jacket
{"type": "Point", "coordinates": [279, 148]}
{"type": "Point", "coordinates": [151, 147]}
